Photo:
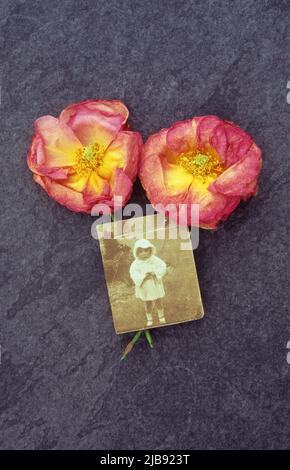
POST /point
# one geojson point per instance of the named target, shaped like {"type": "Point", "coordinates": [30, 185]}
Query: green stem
{"type": "Point", "coordinates": [131, 344]}
{"type": "Point", "coordinates": [135, 340]}
{"type": "Point", "coordinates": [149, 338]}
{"type": "Point", "coordinates": [137, 337]}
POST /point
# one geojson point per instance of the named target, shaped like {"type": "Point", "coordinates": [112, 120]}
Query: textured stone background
{"type": "Point", "coordinates": [222, 382]}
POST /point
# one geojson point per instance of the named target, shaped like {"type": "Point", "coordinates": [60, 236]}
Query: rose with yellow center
{"type": "Point", "coordinates": [205, 161]}
{"type": "Point", "coordinates": [87, 155]}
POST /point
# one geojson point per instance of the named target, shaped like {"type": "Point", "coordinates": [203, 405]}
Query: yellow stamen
{"type": "Point", "coordinates": [88, 159]}
{"type": "Point", "coordinates": [201, 164]}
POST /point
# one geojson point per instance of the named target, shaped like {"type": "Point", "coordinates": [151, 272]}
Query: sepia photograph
{"type": "Point", "coordinates": [151, 279]}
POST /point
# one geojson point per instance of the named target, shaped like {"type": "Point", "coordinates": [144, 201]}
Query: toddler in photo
{"type": "Point", "coordinates": [147, 271]}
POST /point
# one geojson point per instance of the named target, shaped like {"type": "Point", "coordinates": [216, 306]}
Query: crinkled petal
{"type": "Point", "coordinates": [107, 107]}
{"type": "Point", "coordinates": [69, 198]}
{"type": "Point", "coordinates": [58, 144]}
{"type": "Point", "coordinates": [176, 179]}
{"type": "Point", "coordinates": [212, 207]}
{"type": "Point", "coordinates": [157, 144]}
{"type": "Point", "coordinates": [238, 143]}
{"type": "Point", "coordinates": [121, 190]}
{"type": "Point", "coordinates": [96, 189]}
{"type": "Point", "coordinates": [205, 130]}
{"type": "Point", "coordinates": [34, 155]}
{"type": "Point", "coordinates": [124, 152]}
{"type": "Point", "coordinates": [122, 186]}
{"type": "Point", "coordinates": [218, 144]}
{"type": "Point", "coordinates": [158, 177]}
{"type": "Point", "coordinates": [241, 178]}
{"type": "Point", "coordinates": [95, 121]}
{"type": "Point", "coordinates": [181, 137]}
{"type": "Point", "coordinates": [76, 182]}
{"type": "Point", "coordinates": [152, 177]}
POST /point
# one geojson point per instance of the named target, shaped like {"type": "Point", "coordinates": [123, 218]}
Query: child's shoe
{"type": "Point", "coordinates": [149, 319]}
{"type": "Point", "coordinates": [161, 317]}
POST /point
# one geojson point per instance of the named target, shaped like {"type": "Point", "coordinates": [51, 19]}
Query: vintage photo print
{"type": "Point", "coordinates": [151, 278]}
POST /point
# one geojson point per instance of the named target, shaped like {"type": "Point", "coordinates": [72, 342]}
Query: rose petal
{"type": "Point", "coordinates": [213, 207]}
{"type": "Point", "coordinates": [59, 143]}
{"type": "Point", "coordinates": [95, 121]}
{"type": "Point", "coordinates": [124, 153]}
{"type": "Point", "coordinates": [205, 131]}
{"type": "Point", "coordinates": [238, 143]}
{"type": "Point", "coordinates": [69, 198]}
{"type": "Point", "coordinates": [122, 186]}
{"type": "Point", "coordinates": [241, 178]}
{"type": "Point", "coordinates": [157, 144]}
{"type": "Point", "coordinates": [36, 153]}
{"type": "Point", "coordinates": [218, 144]}
{"type": "Point", "coordinates": [96, 189]}
{"type": "Point", "coordinates": [121, 190]}
{"type": "Point", "coordinates": [181, 137]}
{"type": "Point", "coordinates": [76, 182]}
{"type": "Point", "coordinates": [176, 179]}
{"type": "Point", "coordinates": [107, 107]}
{"type": "Point", "coordinates": [153, 180]}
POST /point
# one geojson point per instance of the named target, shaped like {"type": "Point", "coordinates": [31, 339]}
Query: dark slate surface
{"type": "Point", "coordinates": [222, 382]}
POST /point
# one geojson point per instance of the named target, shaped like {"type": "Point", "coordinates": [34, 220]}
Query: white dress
{"type": "Point", "coordinates": [151, 289]}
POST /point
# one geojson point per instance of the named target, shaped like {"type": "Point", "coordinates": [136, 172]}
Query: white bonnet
{"type": "Point", "coordinates": [143, 243]}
